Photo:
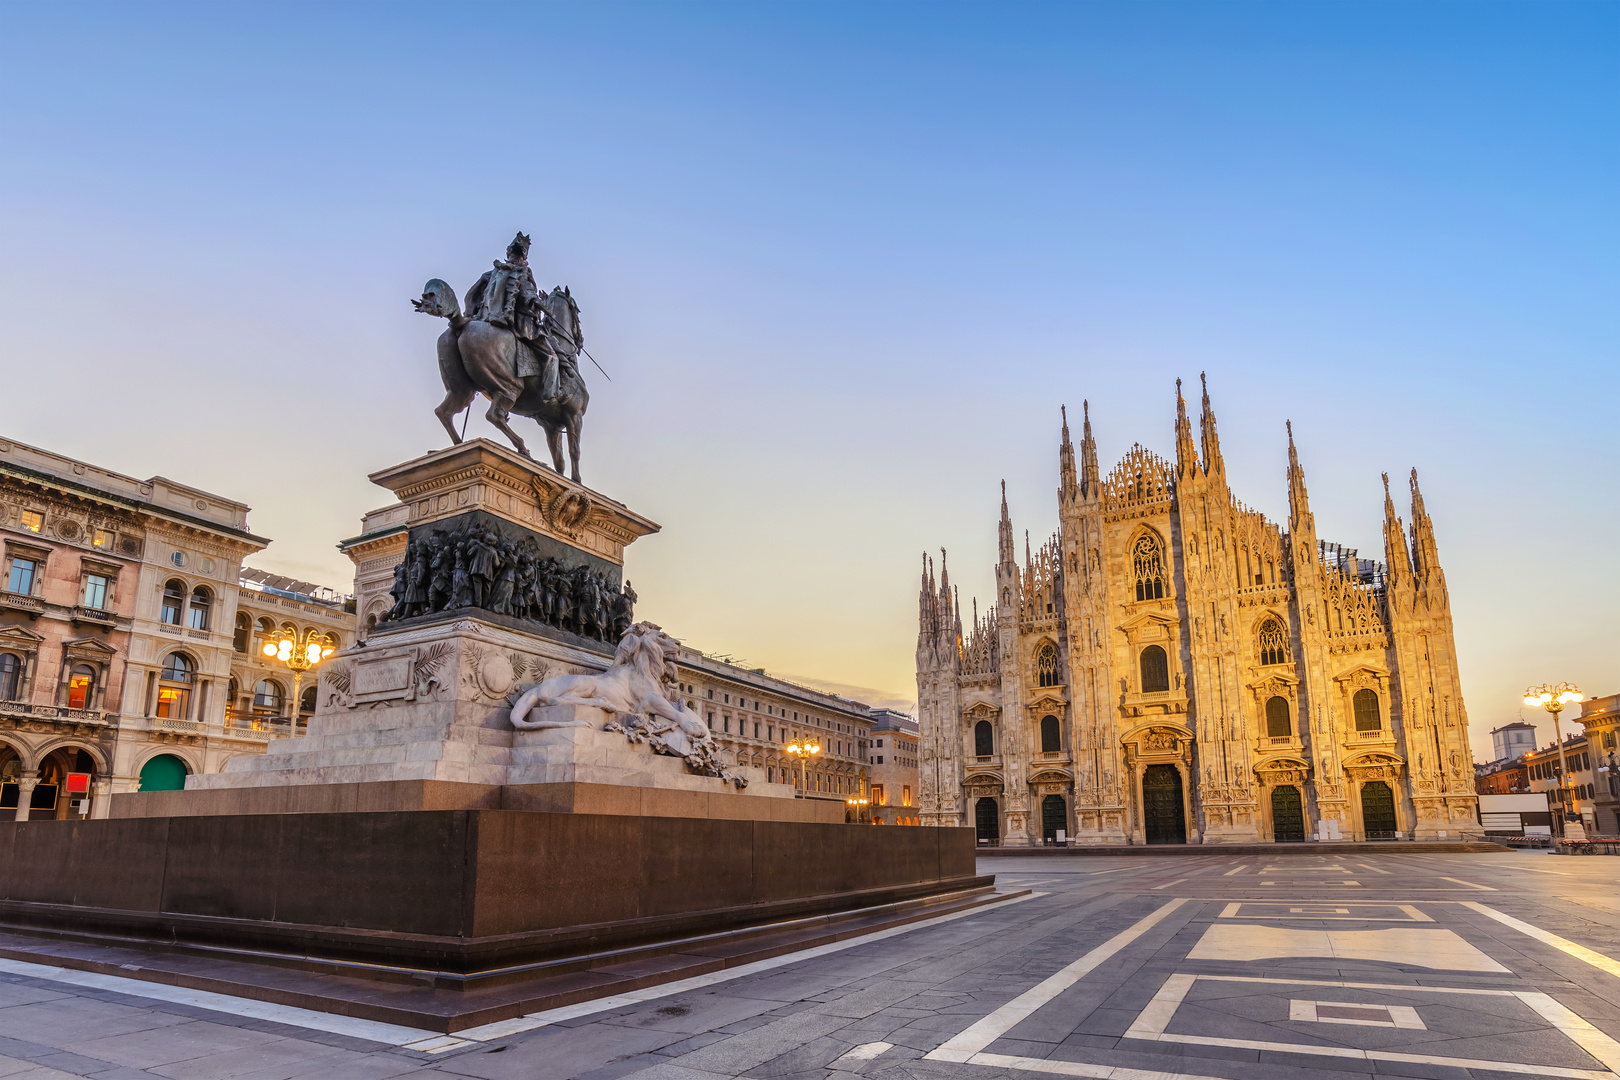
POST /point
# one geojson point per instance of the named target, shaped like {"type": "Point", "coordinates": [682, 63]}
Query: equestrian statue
{"type": "Point", "coordinates": [517, 346]}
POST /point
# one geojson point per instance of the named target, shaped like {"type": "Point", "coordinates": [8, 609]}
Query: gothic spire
{"type": "Point", "coordinates": [1008, 556]}
{"type": "Point", "coordinates": [1186, 452]}
{"type": "Point", "coordinates": [1395, 553]}
{"type": "Point", "coordinates": [1299, 506]}
{"type": "Point", "coordinates": [1066, 484]}
{"type": "Point", "coordinates": [1425, 557]}
{"type": "Point", "coordinates": [1088, 453]}
{"type": "Point", "coordinates": [1213, 462]}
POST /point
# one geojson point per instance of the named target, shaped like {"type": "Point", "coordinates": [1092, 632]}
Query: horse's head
{"type": "Point", "coordinates": [439, 299]}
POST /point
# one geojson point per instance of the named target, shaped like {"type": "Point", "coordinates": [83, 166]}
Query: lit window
{"type": "Point", "coordinates": [79, 686]}
{"type": "Point", "coordinates": [174, 687]}
{"type": "Point", "coordinates": [95, 591]}
{"type": "Point", "coordinates": [33, 521]}
{"type": "Point", "coordinates": [103, 539]}
{"type": "Point", "coordinates": [22, 576]}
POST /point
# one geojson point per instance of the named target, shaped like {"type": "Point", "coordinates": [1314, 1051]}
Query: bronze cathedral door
{"type": "Point", "coordinates": [1164, 812]}
{"type": "Point", "coordinates": [1287, 815]}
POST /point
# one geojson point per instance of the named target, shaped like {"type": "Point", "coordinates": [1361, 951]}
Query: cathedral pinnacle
{"type": "Point", "coordinates": [1088, 453]}
{"type": "Point", "coordinates": [1299, 506]}
{"type": "Point", "coordinates": [1066, 479]}
{"type": "Point", "coordinates": [1005, 533]}
{"type": "Point", "coordinates": [1213, 462]}
{"type": "Point", "coordinates": [1186, 452]}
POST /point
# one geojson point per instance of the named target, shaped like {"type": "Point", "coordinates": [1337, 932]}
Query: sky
{"type": "Point", "coordinates": [843, 263]}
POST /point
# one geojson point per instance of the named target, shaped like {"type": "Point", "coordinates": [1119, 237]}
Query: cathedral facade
{"type": "Point", "coordinates": [1171, 667]}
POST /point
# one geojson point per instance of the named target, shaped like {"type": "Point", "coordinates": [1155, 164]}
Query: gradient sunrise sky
{"type": "Point", "coordinates": [844, 262]}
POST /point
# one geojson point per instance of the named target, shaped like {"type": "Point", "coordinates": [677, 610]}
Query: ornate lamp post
{"type": "Point", "coordinates": [1553, 699]}
{"type": "Point", "coordinates": [858, 808]}
{"type": "Point", "coordinates": [803, 751]}
{"type": "Point", "coordinates": [298, 655]}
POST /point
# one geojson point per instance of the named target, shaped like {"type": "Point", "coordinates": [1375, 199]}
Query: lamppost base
{"type": "Point", "coordinates": [1574, 829]}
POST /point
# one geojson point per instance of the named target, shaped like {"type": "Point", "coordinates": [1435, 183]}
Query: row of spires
{"type": "Point", "coordinates": [1418, 563]}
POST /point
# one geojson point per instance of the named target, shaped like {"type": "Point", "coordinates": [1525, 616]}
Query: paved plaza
{"type": "Point", "coordinates": [1276, 966]}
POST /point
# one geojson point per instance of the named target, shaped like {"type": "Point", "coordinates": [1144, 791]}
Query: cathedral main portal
{"type": "Point", "coordinates": [1164, 811]}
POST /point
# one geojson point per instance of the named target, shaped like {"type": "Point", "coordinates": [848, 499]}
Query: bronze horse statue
{"type": "Point", "coordinates": [479, 357]}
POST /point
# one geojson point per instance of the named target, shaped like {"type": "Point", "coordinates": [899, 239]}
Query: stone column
{"type": "Point", "coordinates": [25, 793]}
{"type": "Point", "coordinates": [100, 805]}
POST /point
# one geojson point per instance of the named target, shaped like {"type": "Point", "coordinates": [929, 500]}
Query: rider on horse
{"type": "Point", "coordinates": [506, 296]}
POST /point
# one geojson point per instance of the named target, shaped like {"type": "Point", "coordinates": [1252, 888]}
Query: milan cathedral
{"type": "Point", "coordinates": [1171, 667]}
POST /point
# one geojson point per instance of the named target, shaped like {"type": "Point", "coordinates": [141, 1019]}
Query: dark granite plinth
{"type": "Point", "coordinates": [457, 896]}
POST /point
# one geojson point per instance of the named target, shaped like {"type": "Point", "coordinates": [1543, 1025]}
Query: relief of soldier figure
{"type": "Point", "coordinates": [474, 565]}
{"type": "Point", "coordinates": [516, 345]}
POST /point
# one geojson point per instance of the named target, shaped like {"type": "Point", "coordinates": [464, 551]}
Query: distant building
{"type": "Point", "coordinates": [755, 717]}
{"type": "Point", "coordinates": [1513, 740]}
{"type": "Point", "coordinates": [119, 611]}
{"type": "Point", "coordinates": [1503, 778]}
{"type": "Point", "coordinates": [894, 763]}
{"type": "Point", "coordinates": [1545, 775]}
{"type": "Point", "coordinates": [1601, 719]}
{"type": "Point", "coordinates": [260, 690]}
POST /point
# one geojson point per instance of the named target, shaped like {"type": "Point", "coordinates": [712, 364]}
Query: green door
{"type": "Point", "coordinates": [1287, 815]}
{"type": "Point", "coordinates": [1378, 810]}
{"type": "Point", "coordinates": [1164, 814]}
{"type": "Point", "coordinates": [163, 773]}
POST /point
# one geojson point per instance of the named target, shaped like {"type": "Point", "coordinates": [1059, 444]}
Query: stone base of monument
{"type": "Point", "coordinates": [450, 919]}
{"type": "Point", "coordinates": [414, 859]}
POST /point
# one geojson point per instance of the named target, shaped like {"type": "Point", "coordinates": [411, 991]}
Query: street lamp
{"type": "Point", "coordinates": [1553, 699]}
{"type": "Point", "coordinates": [802, 751]}
{"type": "Point", "coordinates": [298, 655]}
{"type": "Point", "coordinates": [857, 806]}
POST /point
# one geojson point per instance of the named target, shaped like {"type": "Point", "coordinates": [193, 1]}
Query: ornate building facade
{"type": "Point", "coordinates": [1171, 667]}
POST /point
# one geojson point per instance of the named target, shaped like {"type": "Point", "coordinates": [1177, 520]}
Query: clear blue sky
{"type": "Point", "coordinates": [844, 262]}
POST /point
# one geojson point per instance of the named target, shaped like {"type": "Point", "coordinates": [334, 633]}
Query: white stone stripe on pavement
{"type": "Point", "coordinates": [502, 1028]}
{"type": "Point", "coordinates": [981, 1034]}
{"type": "Point", "coordinates": [1607, 964]}
{"type": "Point", "coordinates": [373, 1030]}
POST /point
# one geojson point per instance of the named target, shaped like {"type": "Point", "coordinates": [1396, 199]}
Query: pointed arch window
{"type": "Point", "coordinates": [1046, 665]}
{"type": "Point", "coordinates": [1147, 558]}
{"type": "Point", "coordinates": [1273, 642]}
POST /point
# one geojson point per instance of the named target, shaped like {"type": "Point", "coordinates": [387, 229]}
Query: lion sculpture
{"type": "Point", "coordinates": [638, 689]}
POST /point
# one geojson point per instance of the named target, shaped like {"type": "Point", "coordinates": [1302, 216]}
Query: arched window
{"type": "Point", "coordinates": [267, 698]}
{"type": "Point", "coordinates": [1273, 642]}
{"type": "Point", "coordinates": [174, 687]}
{"type": "Point", "coordinates": [174, 601]}
{"type": "Point", "coordinates": [201, 601]}
{"type": "Point", "coordinates": [1155, 670]}
{"type": "Point", "coordinates": [11, 669]}
{"type": "Point", "coordinates": [1279, 724]}
{"type": "Point", "coordinates": [81, 682]}
{"type": "Point", "coordinates": [1051, 740]}
{"type": "Point", "coordinates": [244, 632]}
{"type": "Point", "coordinates": [1365, 705]}
{"type": "Point", "coordinates": [1046, 665]}
{"type": "Point", "coordinates": [306, 701]}
{"type": "Point", "coordinates": [1148, 561]}
{"type": "Point", "coordinates": [984, 739]}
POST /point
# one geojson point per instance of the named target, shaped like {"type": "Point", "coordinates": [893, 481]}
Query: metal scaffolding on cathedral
{"type": "Point", "coordinates": [1171, 667]}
